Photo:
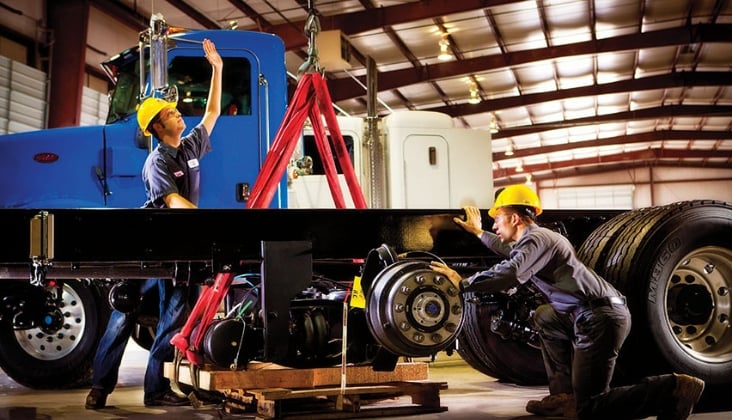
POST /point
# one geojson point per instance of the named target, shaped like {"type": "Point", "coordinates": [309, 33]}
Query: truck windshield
{"type": "Point", "coordinates": [311, 149]}
{"type": "Point", "coordinates": [126, 91]}
{"type": "Point", "coordinates": [192, 76]}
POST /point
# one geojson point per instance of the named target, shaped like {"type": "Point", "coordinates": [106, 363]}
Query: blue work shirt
{"type": "Point", "coordinates": [548, 260]}
{"type": "Point", "coordinates": [169, 170]}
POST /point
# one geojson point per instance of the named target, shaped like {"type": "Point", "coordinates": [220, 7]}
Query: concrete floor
{"type": "Point", "coordinates": [469, 395]}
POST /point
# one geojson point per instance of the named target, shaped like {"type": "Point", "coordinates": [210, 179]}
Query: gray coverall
{"type": "Point", "coordinates": [582, 327]}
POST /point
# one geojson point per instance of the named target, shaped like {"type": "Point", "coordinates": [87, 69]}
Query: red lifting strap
{"type": "Point", "coordinates": [310, 99]}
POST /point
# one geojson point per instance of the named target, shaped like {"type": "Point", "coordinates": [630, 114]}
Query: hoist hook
{"type": "Point", "coordinates": [312, 29]}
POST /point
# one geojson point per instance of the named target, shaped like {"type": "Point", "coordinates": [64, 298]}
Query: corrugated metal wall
{"type": "Point", "coordinates": [94, 107]}
{"type": "Point", "coordinates": [23, 99]}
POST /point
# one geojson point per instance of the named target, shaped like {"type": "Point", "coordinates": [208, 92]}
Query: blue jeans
{"type": "Point", "coordinates": [172, 316]}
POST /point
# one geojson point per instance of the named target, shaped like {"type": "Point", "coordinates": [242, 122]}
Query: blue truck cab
{"type": "Point", "coordinates": [100, 166]}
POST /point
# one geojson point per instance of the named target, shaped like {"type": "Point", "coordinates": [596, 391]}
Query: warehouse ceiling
{"type": "Point", "coordinates": [567, 87]}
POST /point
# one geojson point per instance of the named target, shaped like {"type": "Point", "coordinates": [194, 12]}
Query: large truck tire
{"type": "Point", "coordinates": [487, 352]}
{"type": "Point", "coordinates": [674, 264]}
{"type": "Point", "coordinates": [61, 359]}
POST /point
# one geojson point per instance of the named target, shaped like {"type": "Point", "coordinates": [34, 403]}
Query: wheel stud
{"type": "Point", "coordinates": [709, 268]}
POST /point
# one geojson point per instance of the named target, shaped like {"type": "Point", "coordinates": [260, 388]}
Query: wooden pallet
{"type": "Point", "coordinates": [372, 400]}
{"type": "Point", "coordinates": [274, 391]}
{"type": "Point", "coordinates": [270, 375]}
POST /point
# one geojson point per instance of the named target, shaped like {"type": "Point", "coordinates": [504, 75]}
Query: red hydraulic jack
{"type": "Point", "coordinates": [310, 98]}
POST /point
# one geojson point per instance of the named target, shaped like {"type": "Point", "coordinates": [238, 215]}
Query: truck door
{"type": "Point", "coordinates": [234, 139]}
{"type": "Point", "coordinates": [240, 138]}
{"type": "Point", "coordinates": [426, 172]}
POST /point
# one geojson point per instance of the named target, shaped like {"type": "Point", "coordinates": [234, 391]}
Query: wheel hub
{"type": "Point", "coordinates": [52, 321]}
{"type": "Point", "coordinates": [698, 303]}
{"type": "Point", "coordinates": [412, 310]}
{"type": "Point", "coordinates": [60, 330]}
{"type": "Point", "coordinates": [428, 309]}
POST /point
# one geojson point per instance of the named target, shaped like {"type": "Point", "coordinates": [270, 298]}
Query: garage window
{"type": "Point", "coordinates": [599, 197]}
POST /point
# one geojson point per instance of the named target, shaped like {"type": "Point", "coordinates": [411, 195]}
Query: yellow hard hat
{"type": "Point", "coordinates": [149, 108]}
{"type": "Point", "coordinates": [516, 195]}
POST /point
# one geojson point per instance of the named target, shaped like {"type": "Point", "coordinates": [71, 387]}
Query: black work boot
{"type": "Point", "coordinates": [556, 405]}
{"type": "Point", "coordinates": [170, 398]}
{"type": "Point", "coordinates": [96, 399]}
{"type": "Point", "coordinates": [687, 392]}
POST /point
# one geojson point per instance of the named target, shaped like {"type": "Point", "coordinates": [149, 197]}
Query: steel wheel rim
{"type": "Point", "coordinates": [698, 304]}
{"type": "Point", "coordinates": [44, 344]}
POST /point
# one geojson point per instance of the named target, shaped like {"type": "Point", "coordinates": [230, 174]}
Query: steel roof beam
{"type": "Point", "coordinates": [122, 14]}
{"type": "Point", "coordinates": [572, 171]}
{"type": "Point", "coordinates": [195, 14]}
{"type": "Point", "coordinates": [663, 81]}
{"type": "Point", "coordinates": [346, 88]}
{"type": "Point", "coordinates": [640, 114]}
{"type": "Point", "coordinates": [651, 136]}
{"type": "Point", "coordinates": [649, 156]}
{"type": "Point", "coordinates": [376, 18]}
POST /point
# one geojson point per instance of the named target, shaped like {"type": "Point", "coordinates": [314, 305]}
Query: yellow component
{"type": "Point", "coordinates": [149, 108]}
{"type": "Point", "coordinates": [357, 298]}
{"type": "Point", "coordinates": [516, 195]}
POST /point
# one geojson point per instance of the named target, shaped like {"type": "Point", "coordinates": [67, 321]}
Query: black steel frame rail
{"type": "Point", "coordinates": [134, 238]}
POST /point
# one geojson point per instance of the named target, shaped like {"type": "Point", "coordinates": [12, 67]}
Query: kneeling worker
{"type": "Point", "coordinates": [583, 325]}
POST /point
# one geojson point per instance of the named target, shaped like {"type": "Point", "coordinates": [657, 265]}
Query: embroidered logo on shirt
{"type": "Point", "coordinates": [178, 174]}
{"type": "Point", "coordinates": [193, 163]}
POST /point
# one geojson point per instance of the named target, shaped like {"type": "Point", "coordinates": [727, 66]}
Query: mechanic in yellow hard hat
{"type": "Point", "coordinates": [582, 326]}
{"type": "Point", "coordinates": [171, 173]}
{"type": "Point", "coordinates": [171, 179]}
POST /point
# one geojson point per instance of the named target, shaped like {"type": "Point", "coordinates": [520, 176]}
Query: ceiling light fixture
{"type": "Point", "coordinates": [528, 179]}
{"type": "Point", "coordinates": [520, 167]}
{"type": "Point", "coordinates": [494, 129]}
{"type": "Point", "coordinates": [509, 147]}
{"type": "Point", "coordinates": [474, 96]}
{"type": "Point", "coordinates": [444, 44]}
